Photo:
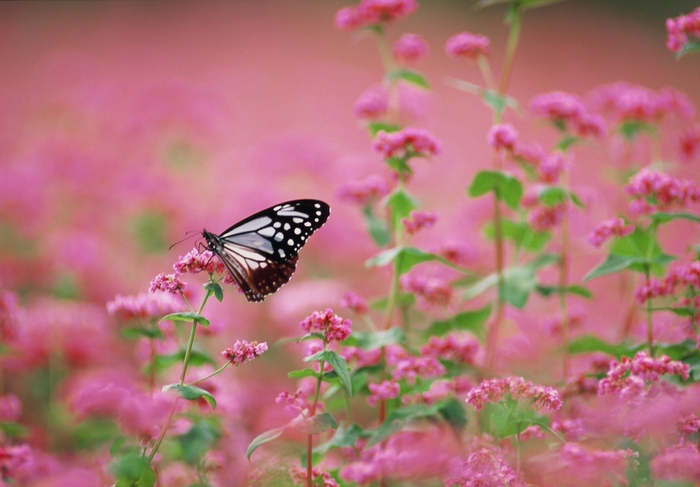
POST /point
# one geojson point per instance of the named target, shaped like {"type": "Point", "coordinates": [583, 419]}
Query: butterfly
{"type": "Point", "coordinates": [260, 252]}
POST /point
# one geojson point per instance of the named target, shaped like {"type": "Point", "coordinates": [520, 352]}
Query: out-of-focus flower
{"type": "Point", "coordinates": [502, 137]}
{"type": "Point", "coordinates": [468, 45]}
{"type": "Point", "coordinates": [689, 142]}
{"type": "Point", "coordinates": [169, 283]}
{"type": "Point", "coordinates": [332, 326]}
{"type": "Point", "coordinates": [483, 467]}
{"type": "Point", "coordinates": [425, 367]}
{"type": "Point", "coordinates": [627, 102]}
{"type": "Point", "coordinates": [144, 305]}
{"type": "Point", "coordinates": [652, 288]}
{"type": "Point", "coordinates": [452, 348]}
{"type": "Point", "coordinates": [408, 142]}
{"type": "Point", "coordinates": [362, 358]}
{"type": "Point", "coordinates": [614, 227]}
{"type": "Point", "coordinates": [688, 424]}
{"type": "Point", "coordinates": [433, 290]}
{"type": "Point", "coordinates": [244, 351]}
{"type": "Point", "coordinates": [543, 218]}
{"type": "Point", "coordinates": [456, 252]}
{"type": "Point", "coordinates": [387, 389]}
{"type": "Point", "coordinates": [371, 12]}
{"type": "Point", "coordinates": [666, 190]}
{"type": "Point", "coordinates": [418, 220]}
{"type": "Point", "coordinates": [354, 302]}
{"type": "Point", "coordinates": [10, 408]}
{"type": "Point", "coordinates": [558, 106]}
{"type": "Point", "coordinates": [630, 374]}
{"type": "Point", "coordinates": [551, 166]}
{"type": "Point", "coordinates": [528, 153]}
{"type": "Point", "coordinates": [679, 463]}
{"type": "Point", "coordinates": [494, 390]}
{"type": "Point", "coordinates": [372, 104]}
{"type": "Point", "coordinates": [318, 476]}
{"type": "Point", "coordinates": [571, 429]}
{"type": "Point", "coordinates": [410, 48]}
{"type": "Point", "coordinates": [678, 28]}
{"type": "Point", "coordinates": [364, 191]}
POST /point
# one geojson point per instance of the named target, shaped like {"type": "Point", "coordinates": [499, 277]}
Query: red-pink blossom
{"type": "Point", "coordinates": [689, 143]}
{"type": "Point", "coordinates": [354, 302]}
{"type": "Point", "coordinates": [419, 219]}
{"type": "Point", "coordinates": [468, 45]}
{"type": "Point", "coordinates": [144, 305]}
{"type": "Point", "coordinates": [678, 29]}
{"type": "Point", "coordinates": [371, 12]}
{"type": "Point", "coordinates": [408, 142]}
{"type": "Point", "coordinates": [551, 167]}
{"type": "Point", "coordinates": [678, 463]}
{"type": "Point", "coordinates": [433, 290]}
{"type": "Point", "coordinates": [627, 102]}
{"type": "Point", "coordinates": [244, 351]}
{"type": "Point", "coordinates": [529, 153]}
{"type": "Point", "coordinates": [456, 252]}
{"type": "Point", "coordinates": [410, 48]}
{"type": "Point", "coordinates": [332, 326]}
{"type": "Point", "coordinates": [413, 367]}
{"type": "Point", "coordinates": [666, 190]}
{"type": "Point", "coordinates": [10, 408]}
{"type": "Point", "coordinates": [362, 358]}
{"type": "Point", "coordinates": [543, 218]}
{"type": "Point", "coordinates": [364, 191]}
{"type": "Point", "coordinates": [571, 429]}
{"type": "Point", "coordinates": [169, 283]}
{"type": "Point", "coordinates": [319, 477]}
{"type": "Point", "coordinates": [614, 227]}
{"type": "Point", "coordinates": [494, 390]}
{"type": "Point", "coordinates": [452, 348]}
{"type": "Point", "coordinates": [485, 467]}
{"type": "Point", "coordinates": [372, 104]}
{"type": "Point", "coordinates": [502, 137]}
{"type": "Point", "coordinates": [688, 424]}
{"type": "Point", "coordinates": [652, 288]}
{"type": "Point", "coordinates": [629, 376]}
{"type": "Point", "coordinates": [558, 106]}
{"type": "Point", "coordinates": [387, 389]}
{"type": "Point", "coordinates": [195, 262]}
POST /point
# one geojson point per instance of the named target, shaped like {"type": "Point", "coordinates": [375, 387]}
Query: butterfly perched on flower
{"type": "Point", "coordinates": [260, 252]}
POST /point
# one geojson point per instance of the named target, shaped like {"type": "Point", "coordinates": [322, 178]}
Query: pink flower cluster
{"type": "Point", "coordinates": [484, 467]}
{"type": "Point", "coordinates": [387, 389]}
{"type": "Point", "coordinates": [678, 29]}
{"type": "Point", "coordinates": [683, 276]}
{"type": "Point", "coordinates": [440, 389]}
{"type": "Point", "coordinates": [365, 191]}
{"type": "Point", "coordinates": [418, 220]}
{"type": "Point", "coordinates": [411, 367]}
{"type": "Point", "coordinates": [614, 227]}
{"type": "Point", "coordinates": [410, 48]}
{"type": "Point", "coordinates": [435, 291]}
{"type": "Point", "coordinates": [372, 104]}
{"type": "Point", "coordinates": [168, 283]}
{"type": "Point", "coordinates": [409, 142]}
{"type": "Point", "coordinates": [543, 218]}
{"type": "Point", "coordinates": [468, 45]}
{"type": "Point", "coordinates": [143, 305]}
{"type": "Point", "coordinates": [630, 374]}
{"type": "Point", "coordinates": [372, 12]}
{"type": "Point", "coordinates": [332, 326]}
{"type": "Point", "coordinates": [568, 112]}
{"type": "Point", "coordinates": [678, 463]}
{"type": "Point", "coordinates": [494, 390]}
{"type": "Point", "coordinates": [666, 190]}
{"type": "Point", "coordinates": [652, 288]}
{"type": "Point", "coordinates": [456, 252]}
{"type": "Point", "coordinates": [318, 476]}
{"type": "Point", "coordinates": [689, 142]}
{"type": "Point", "coordinates": [195, 262]}
{"type": "Point", "coordinates": [594, 467]}
{"type": "Point", "coordinates": [552, 165]}
{"type": "Point", "coordinates": [571, 429]}
{"type": "Point", "coordinates": [502, 137]}
{"type": "Point", "coordinates": [362, 358]}
{"type": "Point", "coordinates": [451, 348]}
{"type": "Point", "coordinates": [243, 350]}
{"type": "Point", "coordinates": [627, 102]}
{"type": "Point", "coordinates": [354, 302]}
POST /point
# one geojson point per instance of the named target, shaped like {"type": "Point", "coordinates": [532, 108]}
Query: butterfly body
{"type": "Point", "coordinates": [260, 252]}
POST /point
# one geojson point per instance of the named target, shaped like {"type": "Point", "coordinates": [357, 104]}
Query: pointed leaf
{"type": "Point", "coordinates": [215, 289]}
{"type": "Point", "coordinates": [339, 364]}
{"type": "Point", "coordinates": [188, 316]}
{"type": "Point", "coordinates": [472, 321]}
{"type": "Point", "coordinates": [262, 439]}
{"type": "Point", "coordinates": [371, 340]}
{"type": "Point", "coordinates": [316, 424]}
{"type": "Point", "coordinates": [408, 76]}
{"type": "Point", "coordinates": [191, 393]}
{"type": "Point", "coordinates": [613, 263]}
{"type": "Point", "coordinates": [133, 470]}
{"type": "Point", "coordinates": [377, 228]}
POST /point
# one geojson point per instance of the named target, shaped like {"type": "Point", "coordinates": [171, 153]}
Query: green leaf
{"type": "Point", "coordinates": [188, 316]}
{"type": "Point", "coordinates": [197, 358]}
{"type": "Point", "coordinates": [215, 289]}
{"type": "Point", "coordinates": [136, 332]}
{"type": "Point", "coordinates": [506, 187]}
{"type": "Point", "coordinates": [399, 164]}
{"type": "Point", "coordinates": [198, 441]}
{"type": "Point", "coordinates": [191, 393]}
{"type": "Point", "coordinates": [453, 412]}
{"type": "Point", "coordinates": [521, 234]}
{"type": "Point", "coordinates": [262, 439]}
{"type": "Point", "coordinates": [376, 127]}
{"type": "Point", "coordinates": [551, 195]}
{"type": "Point", "coordinates": [13, 430]}
{"type": "Point", "coordinates": [613, 263]}
{"type": "Point", "coordinates": [316, 424]}
{"type": "Point", "coordinates": [377, 228]}
{"type": "Point", "coordinates": [691, 46]}
{"type": "Point", "coordinates": [401, 204]}
{"type": "Point", "coordinates": [397, 419]}
{"type": "Point", "coordinates": [403, 300]}
{"type": "Point", "coordinates": [405, 258]}
{"type": "Point", "coordinates": [133, 470]}
{"type": "Point", "coordinates": [574, 289]}
{"type": "Point", "coordinates": [408, 76]}
{"type": "Point", "coordinates": [591, 343]}
{"type": "Point", "coordinates": [661, 218]}
{"type": "Point", "coordinates": [472, 321]}
{"type": "Point", "coordinates": [343, 438]}
{"type": "Point", "coordinates": [300, 374]}
{"type": "Point", "coordinates": [371, 340]}
{"type": "Point", "coordinates": [339, 364]}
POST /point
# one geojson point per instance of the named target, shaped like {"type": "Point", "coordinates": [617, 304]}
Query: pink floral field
{"type": "Point", "coordinates": [506, 292]}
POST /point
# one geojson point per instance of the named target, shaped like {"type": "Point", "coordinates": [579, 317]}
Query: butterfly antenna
{"type": "Point", "coordinates": [189, 234]}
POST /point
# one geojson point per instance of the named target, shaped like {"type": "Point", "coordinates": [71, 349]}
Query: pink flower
{"type": "Point", "coordinates": [484, 467]}
{"type": "Point", "coordinates": [550, 168]}
{"type": "Point", "coordinates": [652, 288]}
{"type": "Point", "coordinates": [451, 348]}
{"type": "Point", "coordinates": [494, 390]}
{"type": "Point", "coordinates": [16, 461]}
{"type": "Point", "coordinates": [332, 326]}
{"type": "Point", "coordinates": [243, 351]}
{"type": "Point", "coordinates": [468, 45]}
{"type": "Point", "coordinates": [418, 220]}
{"type": "Point", "coordinates": [10, 408]}
{"type": "Point", "coordinates": [571, 429]}
{"type": "Point", "coordinates": [387, 389]}
{"type": "Point", "coordinates": [679, 463]}
{"type": "Point", "coordinates": [626, 102]}
{"type": "Point", "coordinates": [354, 302]}
{"type": "Point", "coordinates": [689, 142]}
{"type": "Point", "coordinates": [318, 476]}
{"type": "Point", "coordinates": [348, 18]}
{"type": "Point", "coordinates": [372, 104]}
{"type": "Point", "coordinates": [413, 367]}
{"type": "Point", "coordinates": [195, 262]}
{"type": "Point", "coordinates": [558, 106]}
{"type": "Point", "coordinates": [434, 291]}
{"type": "Point", "coordinates": [362, 358]}
{"type": "Point", "coordinates": [456, 252]}
{"type": "Point", "coordinates": [169, 283]}
{"type": "Point", "coordinates": [370, 12]}
{"type": "Point", "coordinates": [143, 305]}
{"type": "Point", "coordinates": [613, 227]}
{"type": "Point", "coordinates": [688, 424]}
{"type": "Point", "coordinates": [410, 48]}
{"type": "Point", "coordinates": [502, 137]}
{"type": "Point", "coordinates": [365, 191]}
{"type": "Point", "coordinates": [678, 29]}
{"type": "Point", "coordinates": [666, 190]}
{"type": "Point", "coordinates": [531, 154]}
{"type": "Point", "coordinates": [409, 142]}
{"type": "Point", "coordinates": [630, 375]}
{"type": "Point", "coordinates": [543, 218]}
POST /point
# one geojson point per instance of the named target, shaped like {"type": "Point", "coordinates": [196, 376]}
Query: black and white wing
{"type": "Point", "coordinates": [260, 252]}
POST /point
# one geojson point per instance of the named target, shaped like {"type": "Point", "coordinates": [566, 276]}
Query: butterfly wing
{"type": "Point", "coordinates": [260, 252]}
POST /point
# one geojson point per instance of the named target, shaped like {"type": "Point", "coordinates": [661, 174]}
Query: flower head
{"type": "Point", "coordinates": [468, 45]}
{"type": "Point", "coordinates": [195, 262]}
{"type": "Point", "coordinates": [169, 283]}
{"type": "Point", "coordinates": [354, 302]}
{"type": "Point", "coordinates": [365, 191]}
{"type": "Point", "coordinates": [332, 326]}
{"type": "Point", "coordinates": [243, 350]}
{"type": "Point", "coordinates": [628, 377]}
{"type": "Point", "coordinates": [419, 220]}
{"type": "Point", "coordinates": [143, 305]}
{"type": "Point", "coordinates": [410, 48]}
{"type": "Point", "coordinates": [614, 227]}
{"type": "Point", "coordinates": [372, 104]}
{"type": "Point", "coordinates": [387, 389]}
{"type": "Point", "coordinates": [679, 28]}
{"type": "Point", "coordinates": [494, 390]}
{"type": "Point", "coordinates": [408, 142]}
{"type": "Point", "coordinates": [372, 12]}
{"type": "Point", "coordinates": [502, 137]}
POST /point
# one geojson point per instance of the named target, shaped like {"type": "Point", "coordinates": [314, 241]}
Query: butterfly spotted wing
{"type": "Point", "coordinates": [260, 252]}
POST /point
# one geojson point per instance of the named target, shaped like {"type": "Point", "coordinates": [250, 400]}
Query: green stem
{"type": "Point", "coordinates": [310, 438]}
{"type": "Point", "coordinates": [513, 36]}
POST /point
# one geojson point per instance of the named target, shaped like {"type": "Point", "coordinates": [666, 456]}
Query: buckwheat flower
{"type": "Point", "coordinates": [586, 467]}
{"type": "Point", "coordinates": [318, 476]}
{"type": "Point", "coordinates": [652, 288]}
{"type": "Point", "coordinates": [667, 190]}
{"type": "Point", "coordinates": [502, 137]}
{"type": "Point", "coordinates": [532, 432]}
{"type": "Point", "coordinates": [468, 45]}
{"type": "Point", "coordinates": [458, 253]}
{"type": "Point", "coordinates": [614, 227]}
{"type": "Point", "coordinates": [590, 125]}
{"type": "Point", "coordinates": [10, 408]}
{"type": "Point", "coordinates": [413, 367]}
{"type": "Point", "coordinates": [8, 316]}
{"type": "Point", "coordinates": [243, 350]}
{"type": "Point", "coordinates": [679, 463]}
{"type": "Point", "coordinates": [543, 218]}
{"type": "Point", "coordinates": [558, 106]}
{"type": "Point", "coordinates": [640, 207]}
{"type": "Point", "coordinates": [451, 348]}
{"type": "Point", "coordinates": [361, 473]}
{"type": "Point", "coordinates": [689, 143]}
{"type": "Point", "coordinates": [494, 390]}
{"type": "Point", "coordinates": [688, 424]}
{"type": "Point", "coordinates": [365, 191]}
{"type": "Point", "coordinates": [169, 283]}
{"type": "Point", "coordinates": [571, 429]}
{"type": "Point", "coordinates": [354, 302]}
{"type": "Point", "coordinates": [15, 460]}
{"type": "Point", "coordinates": [332, 326]}
{"type": "Point", "coordinates": [433, 290]}
{"type": "Point", "coordinates": [418, 220]}
{"type": "Point", "coordinates": [630, 373]}
{"type": "Point", "coordinates": [372, 104]}
{"type": "Point", "coordinates": [408, 142]}
{"type": "Point", "coordinates": [528, 153]}
{"type": "Point", "coordinates": [678, 29]}
{"type": "Point", "coordinates": [143, 305]}
{"type": "Point", "coordinates": [551, 166]}
{"type": "Point", "coordinates": [627, 102]}
{"type": "Point", "coordinates": [362, 358]}
{"type": "Point", "coordinates": [375, 11]}
{"type": "Point", "coordinates": [348, 18]}
{"type": "Point", "coordinates": [387, 389]}
{"type": "Point", "coordinates": [195, 262]}
{"type": "Point", "coordinates": [483, 468]}
{"type": "Point", "coordinates": [685, 275]}
{"type": "Point", "coordinates": [409, 49]}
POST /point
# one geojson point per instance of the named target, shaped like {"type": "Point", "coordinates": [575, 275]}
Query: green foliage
{"type": "Point", "coordinates": [409, 76]}
{"type": "Point", "coordinates": [339, 364]}
{"type": "Point", "coordinates": [191, 393]}
{"type": "Point", "coordinates": [472, 321]}
{"type": "Point", "coordinates": [198, 440]}
{"type": "Point", "coordinates": [377, 228]}
{"type": "Point", "coordinates": [507, 188]}
{"type": "Point", "coordinates": [376, 339]}
{"type": "Point", "coordinates": [132, 470]}
{"type": "Point", "coordinates": [187, 316]}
